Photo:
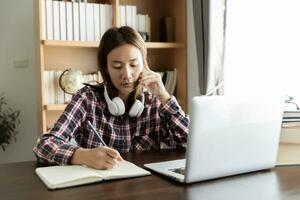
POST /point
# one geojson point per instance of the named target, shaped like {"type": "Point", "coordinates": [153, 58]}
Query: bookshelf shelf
{"type": "Point", "coordinates": [164, 45]}
{"type": "Point", "coordinates": [150, 45]}
{"type": "Point", "coordinates": [61, 43]}
{"type": "Point", "coordinates": [55, 107]}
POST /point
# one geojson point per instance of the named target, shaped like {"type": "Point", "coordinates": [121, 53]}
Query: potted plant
{"type": "Point", "coordinates": [9, 120]}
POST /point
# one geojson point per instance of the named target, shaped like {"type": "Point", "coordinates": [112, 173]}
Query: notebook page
{"type": "Point", "coordinates": [124, 170]}
{"type": "Point", "coordinates": [64, 176]}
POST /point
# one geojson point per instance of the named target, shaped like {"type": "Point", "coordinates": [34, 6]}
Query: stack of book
{"type": "Point", "coordinates": [290, 131]}
{"type": "Point", "coordinates": [83, 21]}
{"type": "Point", "coordinates": [75, 21]}
{"type": "Point", "coordinates": [129, 17]}
{"type": "Point", "coordinates": [291, 116]}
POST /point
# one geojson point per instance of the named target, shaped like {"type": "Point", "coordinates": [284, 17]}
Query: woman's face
{"type": "Point", "coordinates": [124, 64]}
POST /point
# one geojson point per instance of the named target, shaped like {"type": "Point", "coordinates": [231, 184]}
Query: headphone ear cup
{"type": "Point", "coordinates": [119, 105]}
{"type": "Point", "coordinates": [136, 109]}
{"type": "Point", "coordinates": [112, 107]}
{"type": "Point", "coordinates": [140, 110]}
{"type": "Point", "coordinates": [115, 106]}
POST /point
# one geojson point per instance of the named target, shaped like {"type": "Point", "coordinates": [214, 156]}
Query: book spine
{"type": "Point", "coordinates": [122, 16]}
{"type": "Point", "coordinates": [62, 21]}
{"type": "Point", "coordinates": [108, 16]}
{"type": "Point", "coordinates": [134, 14]}
{"type": "Point", "coordinates": [90, 22]}
{"type": "Point", "coordinates": [49, 19]}
{"type": "Point", "coordinates": [43, 22]}
{"type": "Point", "coordinates": [69, 19]}
{"type": "Point", "coordinates": [128, 15]}
{"type": "Point", "coordinates": [82, 21]}
{"type": "Point", "coordinates": [76, 28]}
{"type": "Point", "coordinates": [148, 26]}
{"type": "Point", "coordinates": [56, 25]}
{"type": "Point", "coordinates": [96, 22]}
{"type": "Point", "coordinates": [102, 19]}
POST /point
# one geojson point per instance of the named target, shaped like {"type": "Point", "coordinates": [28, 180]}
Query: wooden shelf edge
{"type": "Point", "coordinates": [149, 45]}
{"type": "Point", "coordinates": [54, 107]}
{"type": "Point", "coordinates": [164, 45]}
{"type": "Point", "coordinates": [63, 43]}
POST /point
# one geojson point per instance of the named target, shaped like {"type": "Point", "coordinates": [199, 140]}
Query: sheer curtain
{"type": "Point", "coordinates": [210, 26]}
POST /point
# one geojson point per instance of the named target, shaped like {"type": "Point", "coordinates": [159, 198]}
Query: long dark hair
{"type": "Point", "coordinates": [112, 38]}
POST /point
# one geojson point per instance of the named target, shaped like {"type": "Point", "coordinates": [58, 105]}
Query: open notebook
{"type": "Point", "coordinates": [71, 175]}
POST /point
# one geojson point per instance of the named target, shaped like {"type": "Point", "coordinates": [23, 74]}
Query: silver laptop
{"type": "Point", "coordinates": [227, 136]}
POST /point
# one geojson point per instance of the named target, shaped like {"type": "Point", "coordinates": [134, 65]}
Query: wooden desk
{"type": "Point", "coordinates": [18, 181]}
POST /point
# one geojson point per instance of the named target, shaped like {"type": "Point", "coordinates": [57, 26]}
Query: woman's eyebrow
{"type": "Point", "coordinates": [116, 61]}
{"type": "Point", "coordinates": [131, 60]}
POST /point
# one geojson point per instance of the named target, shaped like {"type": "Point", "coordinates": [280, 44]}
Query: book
{"type": "Point", "coordinates": [62, 20]}
{"type": "Point", "coordinates": [291, 114]}
{"type": "Point", "coordinates": [49, 20]}
{"type": "Point", "coordinates": [69, 18]}
{"type": "Point", "coordinates": [290, 125]}
{"type": "Point", "coordinates": [97, 21]}
{"type": "Point", "coordinates": [76, 28]}
{"type": "Point", "coordinates": [82, 21]}
{"type": "Point", "coordinates": [290, 135]}
{"type": "Point", "coordinates": [288, 154]}
{"type": "Point", "coordinates": [56, 177]}
{"type": "Point", "coordinates": [167, 29]}
{"type": "Point", "coordinates": [122, 15]}
{"type": "Point", "coordinates": [43, 23]}
{"type": "Point", "coordinates": [102, 13]}
{"type": "Point", "coordinates": [56, 25]}
{"type": "Point", "coordinates": [90, 32]}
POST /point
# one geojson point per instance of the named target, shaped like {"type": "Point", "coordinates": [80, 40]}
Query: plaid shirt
{"type": "Point", "coordinates": [157, 123]}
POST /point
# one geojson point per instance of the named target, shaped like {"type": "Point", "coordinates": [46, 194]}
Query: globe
{"type": "Point", "coordinates": [70, 81]}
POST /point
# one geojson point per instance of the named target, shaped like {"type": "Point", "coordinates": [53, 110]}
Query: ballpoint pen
{"type": "Point", "coordinates": [96, 133]}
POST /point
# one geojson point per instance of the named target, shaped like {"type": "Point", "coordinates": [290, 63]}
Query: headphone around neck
{"type": "Point", "coordinates": [116, 106]}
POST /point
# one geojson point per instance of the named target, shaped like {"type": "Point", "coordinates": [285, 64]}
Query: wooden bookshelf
{"type": "Point", "coordinates": [60, 55]}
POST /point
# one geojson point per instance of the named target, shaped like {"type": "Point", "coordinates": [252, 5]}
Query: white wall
{"type": "Point", "coordinates": [17, 41]}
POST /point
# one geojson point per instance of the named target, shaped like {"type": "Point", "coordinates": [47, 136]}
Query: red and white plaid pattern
{"type": "Point", "coordinates": [168, 124]}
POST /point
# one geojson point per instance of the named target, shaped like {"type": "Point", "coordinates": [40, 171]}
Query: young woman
{"type": "Point", "coordinates": [118, 115]}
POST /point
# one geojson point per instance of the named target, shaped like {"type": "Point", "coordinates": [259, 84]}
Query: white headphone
{"type": "Point", "coordinates": [116, 106]}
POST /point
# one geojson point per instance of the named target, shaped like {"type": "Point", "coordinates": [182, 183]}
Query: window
{"type": "Point", "coordinates": [262, 55]}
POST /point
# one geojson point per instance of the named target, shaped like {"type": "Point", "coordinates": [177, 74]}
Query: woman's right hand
{"type": "Point", "coordinates": [97, 158]}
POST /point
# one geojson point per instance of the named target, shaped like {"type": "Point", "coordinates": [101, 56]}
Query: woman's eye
{"type": "Point", "coordinates": [134, 64]}
{"type": "Point", "coordinates": [117, 66]}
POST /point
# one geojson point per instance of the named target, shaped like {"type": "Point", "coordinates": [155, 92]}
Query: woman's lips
{"type": "Point", "coordinates": [127, 85]}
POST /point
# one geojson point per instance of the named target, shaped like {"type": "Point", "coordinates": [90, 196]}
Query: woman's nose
{"type": "Point", "coordinates": [127, 73]}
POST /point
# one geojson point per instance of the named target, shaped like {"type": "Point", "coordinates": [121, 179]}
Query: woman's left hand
{"type": "Point", "coordinates": [153, 83]}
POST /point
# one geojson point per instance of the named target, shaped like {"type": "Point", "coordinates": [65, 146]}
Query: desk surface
{"type": "Point", "coordinates": [18, 181]}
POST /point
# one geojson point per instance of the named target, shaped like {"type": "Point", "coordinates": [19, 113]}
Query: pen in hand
{"type": "Point", "coordinates": [96, 133]}
{"type": "Point", "coordinates": [119, 158]}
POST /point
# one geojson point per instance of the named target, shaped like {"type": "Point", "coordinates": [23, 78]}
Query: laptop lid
{"type": "Point", "coordinates": [229, 135]}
